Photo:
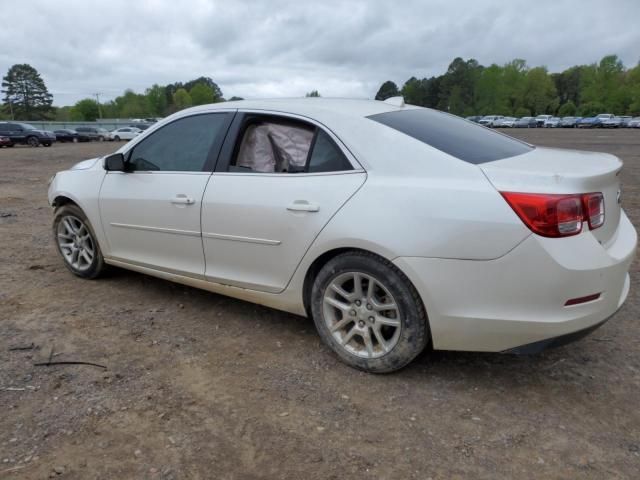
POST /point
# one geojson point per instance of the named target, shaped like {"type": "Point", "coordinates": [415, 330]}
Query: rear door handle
{"type": "Point", "coordinates": [182, 199]}
{"type": "Point", "coordinates": [303, 206]}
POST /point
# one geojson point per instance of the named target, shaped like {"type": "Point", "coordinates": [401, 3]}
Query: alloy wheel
{"type": "Point", "coordinates": [361, 314]}
{"type": "Point", "coordinates": [75, 242]}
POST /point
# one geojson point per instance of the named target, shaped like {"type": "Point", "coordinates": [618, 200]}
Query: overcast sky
{"type": "Point", "coordinates": [286, 48]}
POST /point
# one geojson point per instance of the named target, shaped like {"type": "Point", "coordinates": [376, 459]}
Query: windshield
{"type": "Point", "coordinates": [26, 126]}
{"type": "Point", "coordinates": [453, 135]}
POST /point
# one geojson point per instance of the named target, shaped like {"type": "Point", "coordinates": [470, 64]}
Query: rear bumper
{"type": "Point", "coordinates": [519, 299]}
{"type": "Point", "coordinates": [537, 347]}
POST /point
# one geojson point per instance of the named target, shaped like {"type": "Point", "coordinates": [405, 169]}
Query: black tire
{"type": "Point", "coordinates": [48, 144]}
{"type": "Point", "coordinates": [116, 138]}
{"type": "Point", "coordinates": [101, 138]}
{"type": "Point", "coordinates": [33, 141]}
{"type": "Point", "coordinates": [75, 140]}
{"type": "Point", "coordinates": [414, 328]}
{"type": "Point", "coordinates": [97, 266]}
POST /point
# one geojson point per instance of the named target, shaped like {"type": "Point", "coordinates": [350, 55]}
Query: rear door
{"type": "Point", "coordinates": [277, 184]}
{"type": "Point", "coordinates": [151, 214]}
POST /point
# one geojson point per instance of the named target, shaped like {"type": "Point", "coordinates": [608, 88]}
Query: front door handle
{"type": "Point", "coordinates": [303, 206]}
{"type": "Point", "coordinates": [182, 199]}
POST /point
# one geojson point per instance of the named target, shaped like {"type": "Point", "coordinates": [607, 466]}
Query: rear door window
{"type": "Point", "coordinates": [278, 145]}
{"type": "Point", "coordinates": [453, 135]}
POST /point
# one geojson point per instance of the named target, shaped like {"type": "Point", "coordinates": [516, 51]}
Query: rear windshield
{"type": "Point", "coordinates": [453, 135]}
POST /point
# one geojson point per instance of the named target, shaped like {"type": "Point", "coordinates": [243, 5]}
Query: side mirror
{"type": "Point", "coordinates": [114, 163]}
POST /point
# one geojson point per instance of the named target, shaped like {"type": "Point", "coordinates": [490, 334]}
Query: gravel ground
{"type": "Point", "coordinates": [202, 386]}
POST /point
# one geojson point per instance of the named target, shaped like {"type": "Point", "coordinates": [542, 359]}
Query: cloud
{"type": "Point", "coordinates": [287, 48]}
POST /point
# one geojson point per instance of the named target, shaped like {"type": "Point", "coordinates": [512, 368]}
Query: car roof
{"type": "Point", "coordinates": [311, 107]}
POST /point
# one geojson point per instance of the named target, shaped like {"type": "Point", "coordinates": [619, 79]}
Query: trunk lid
{"type": "Point", "coordinates": [550, 170]}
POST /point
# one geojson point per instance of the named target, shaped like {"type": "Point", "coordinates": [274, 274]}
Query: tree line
{"type": "Point", "coordinates": [468, 88]}
{"type": "Point", "coordinates": [25, 97]}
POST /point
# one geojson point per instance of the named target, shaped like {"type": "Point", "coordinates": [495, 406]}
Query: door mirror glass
{"type": "Point", "coordinates": [114, 163]}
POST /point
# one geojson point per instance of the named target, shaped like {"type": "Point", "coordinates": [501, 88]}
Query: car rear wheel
{"type": "Point", "coordinates": [33, 141]}
{"type": "Point", "coordinates": [368, 312]}
{"type": "Point", "coordinates": [76, 242]}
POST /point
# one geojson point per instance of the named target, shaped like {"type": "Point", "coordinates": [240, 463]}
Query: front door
{"type": "Point", "coordinates": [151, 213]}
{"type": "Point", "coordinates": [261, 213]}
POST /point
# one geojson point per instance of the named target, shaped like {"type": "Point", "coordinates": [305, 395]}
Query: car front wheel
{"type": "Point", "coordinates": [116, 138]}
{"type": "Point", "coordinates": [368, 313]}
{"type": "Point", "coordinates": [76, 242]}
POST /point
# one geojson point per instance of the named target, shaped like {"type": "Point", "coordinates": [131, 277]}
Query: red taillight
{"type": "Point", "coordinates": [594, 209]}
{"type": "Point", "coordinates": [552, 215]}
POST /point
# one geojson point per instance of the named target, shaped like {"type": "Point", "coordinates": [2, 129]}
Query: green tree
{"type": "Point", "coordinates": [84, 110]}
{"type": "Point", "coordinates": [182, 99]}
{"type": "Point", "coordinates": [568, 109]}
{"type": "Point", "coordinates": [605, 85]}
{"type": "Point", "coordinates": [131, 105]}
{"type": "Point", "coordinates": [217, 93]}
{"type": "Point", "coordinates": [63, 114]}
{"type": "Point", "coordinates": [201, 94]}
{"type": "Point", "coordinates": [234, 99]}
{"type": "Point", "coordinates": [156, 100]}
{"type": "Point", "coordinates": [591, 109]}
{"type": "Point", "coordinates": [540, 94]}
{"type": "Point", "coordinates": [25, 94]}
{"type": "Point", "coordinates": [633, 88]}
{"type": "Point", "coordinates": [514, 76]}
{"type": "Point", "coordinates": [416, 92]}
{"type": "Point", "coordinates": [387, 90]}
{"type": "Point", "coordinates": [457, 86]}
{"type": "Point", "coordinates": [312, 93]}
{"type": "Point", "coordinates": [490, 97]}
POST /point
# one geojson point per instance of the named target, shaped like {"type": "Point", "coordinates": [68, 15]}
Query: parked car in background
{"type": "Point", "coordinates": [474, 118]}
{"type": "Point", "coordinates": [519, 249]}
{"type": "Point", "coordinates": [625, 120]}
{"type": "Point", "coordinates": [569, 122]}
{"type": "Point", "coordinates": [552, 122]}
{"type": "Point", "coordinates": [5, 142]}
{"type": "Point", "coordinates": [540, 119]}
{"type": "Point", "coordinates": [25, 134]}
{"type": "Point", "coordinates": [526, 122]}
{"type": "Point", "coordinates": [614, 122]}
{"type": "Point", "coordinates": [124, 133]}
{"type": "Point", "coordinates": [506, 122]}
{"type": "Point", "coordinates": [94, 133]}
{"type": "Point", "coordinates": [588, 122]}
{"type": "Point", "coordinates": [595, 122]}
{"type": "Point", "coordinates": [66, 135]}
{"type": "Point", "coordinates": [489, 120]}
{"type": "Point", "coordinates": [634, 123]}
{"type": "Point", "coordinates": [140, 125]}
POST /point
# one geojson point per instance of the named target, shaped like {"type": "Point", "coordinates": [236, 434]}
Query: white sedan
{"type": "Point", "coordinates": [392, 226]}
{"type": "Point", "coordinates": [124, 133]}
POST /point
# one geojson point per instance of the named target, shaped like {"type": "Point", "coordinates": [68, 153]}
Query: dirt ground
{"type": "Point", "coordinates": [202, 386]}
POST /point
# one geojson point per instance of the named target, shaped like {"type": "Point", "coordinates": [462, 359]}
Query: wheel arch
{"type": "Point", "coordinates": [322, 259]}
{"type": "Point", "coordinates": [62, 199]}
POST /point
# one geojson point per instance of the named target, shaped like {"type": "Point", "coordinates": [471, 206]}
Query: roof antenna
{"type": "Point", "coordinates": [395, 101]}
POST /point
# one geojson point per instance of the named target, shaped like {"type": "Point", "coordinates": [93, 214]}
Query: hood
{"type": "Point", "coordinates": [85, 164]}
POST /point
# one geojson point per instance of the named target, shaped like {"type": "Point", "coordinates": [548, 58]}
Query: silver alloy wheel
{"type": "Point", "coordinates": [361, 314]}
{"type": "Point", "coordinates": [75, 242]}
